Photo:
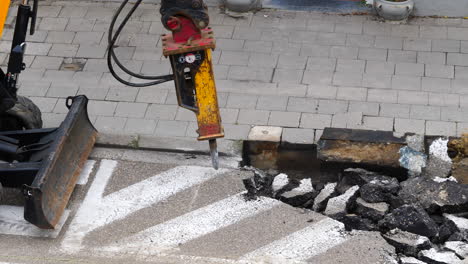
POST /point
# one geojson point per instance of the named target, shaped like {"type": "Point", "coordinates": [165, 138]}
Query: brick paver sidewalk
{"type": "Point", "coordinates": [298, 70]}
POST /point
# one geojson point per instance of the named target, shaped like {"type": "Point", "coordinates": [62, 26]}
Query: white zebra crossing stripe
{"type": "Point", "coordinates": [12, 223]}
{"type": "Point", "coordinates": [199, 222]}
{"type": "Point", "coordinates": [303, 244]}
{"type": "Point", "coordinates": [85, 172]}
{"type": "Point", "coordinates": [98, 211]}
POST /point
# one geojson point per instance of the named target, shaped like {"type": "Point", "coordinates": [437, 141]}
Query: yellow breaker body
{"type": "Point", "coordinates": [4, 5]}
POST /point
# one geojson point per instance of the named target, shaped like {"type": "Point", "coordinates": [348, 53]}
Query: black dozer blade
{"type": "Point", "coordinates": [50, 173]}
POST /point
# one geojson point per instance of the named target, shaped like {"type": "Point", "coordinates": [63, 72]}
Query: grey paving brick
{"type": "Point", "coordinates": [171, 128]}
{"type": "Point", "coordinates": [382, 96]}
{"type": "Point", "coordinates": [352, 93]}
{"type": "Point", "coordinates": [250, 73]}
{"type": "Point", "coordinates": [440, 128]}
{"type": "Point", "coordinates": [347, 79]}
{"type": "Point", "coordinates": [246, 33]}
{"type": "Point", "coordinates": [351, 28]}
{"type": "Point", "coordinates": [284, 119]}
{"type": "Point", "coordinates": [405, 31]}
{"type": "Point", "coordinates": [364, 107]}
{"type": "Point", "coordinates": [454, 114]}
{"type": "Point", "coordinates": [380, 67]}
{"type": "Point", "coordinates": [459, 86]}
{"type": "Point", "coordinates": [457, 33]}
{"type": "Point", "coordinates": [298, 135]}
{"type": "Point", "coordinates": [417, 44]}
{"type": "Point", "coordinates": [50, 11]}
{"type": "Point", "coordinates": [318, 135]}
{"type": "Point", "coordinates": [140, 126]}
{"type": "Point", "coordinates": [63, 50]}
{"type": "Point", "coordinates": [321, 64]}
{"type": "Point", "coordinates": [33, 88]}
{"type": "Point", "coordinates": [48, 63]}
{"type": "Point", "coordinates": [395, 110]}
{"type": "Point", "coordinates": [320, 26]}
{"type": "Point", "coordinates": [344, 52]}
{"type": "Point", "coordinates": [222, 99]}
{"type": "Point", "coordinates": [316, 121]}
{"type": "Point", "coordinates": [286, 48]}
{"type": "Point", "coordinates": [101, 108]}
{"type": "Point", "coordinates": [236, 132]}
{"type": "Point", "coordinates": [389, 43]}
{"type": "Point", "coordinates": [357, 40]}
{"type": "Point", "coordinates": [125, 94]}
{"type": "Point", "coordinates": [52, 119]}
{"type": "Point", "coordinates": [253, 117]}
{"type": "Point", "coordinates": [299, 104]}
{"type": "Point", "coordinates": [263, 60]}
{"type": "Point", "coordinates": [134, 110]}
{"type": "Point", "coordinates": [440, 71]}
{"type": "Point", "coordinates": [258, 46]}
{"type": "Point", "coordinates": [234, 58]}
{"type": "Point", "coordinates": [322, 91]}
{"type": "Point", "coordinates": [302, 36]}
{"type": "Point", "coordinates": [271, 102]}
{"type": "Point", "coordinates": [149, 53]}
{"type": "Point", "coordinates": [464, 46]}
{"type": "Point", "coordinates": [151, 95]}
{"type": "Point", "coordinates": [372, 54]}
{"type": "Point", "coordinates": [91, 51]}
{"type": "Point", "coordinates": [45, 104]}
{"type": "Point", "coordinates": [444, 99]}
{"type": "Point", "coordinates": [64, 37]}
{"type": "Point", "coordinates": [404, 125]}
{"type": "Point", "coordinates": [403, 82]}
{"type": "Point", "coordinates": [288, 76]}
{"type": "Point", "coordinates": [349, 65]}
{"type": "Point", "coordinates": [230, 44]}
{"type": "Point", "coordinates": [56, 76]}
{"type": "Point", "coordinates": [291, 89]}
{"type": "Point", "coordinates": [381, 81]}
{"type": "Point", "coordinates": [331, 38]}
{"type": "Point", "coordinates": [242, 101]}
{"type": "Point", "coordinates": [378, 123]}
{"type": "Point", "coordinates": [413, 97]}
{"type": "Point", "coordinates": [432, 32]}
{"type": "Point", "coordinates": [110, 124]}
{"type": "Point", "coordinates": [185, 115]}
{"type": "Point", "coordinates": [292, 62]}
{"type": "Point", "coordinates": [457, 59]}
{"type": "Point", "coordinates": [377, 28]}
{"type": "Point", "coordinates": [461, 72]}
{"type": "Point", "coordinates": [63, 90]}
{"type": "Point", "coordinates": [462, 128]}
{"type": "Point", "coordinates": [445, 45]}
{"type": "Point", "coordinates": [425, 112]}
{"type": "Point", "coordinates": [88, 38]}
{"type": "Point", "coordinates": [223, 31]}
{"type": "Point", "coordinates": [53, 24]}
{"type": "Point", "coordinates": [347, 120]}
{"type": "Point", "coordinates": [332, 106]}
{"type": "Point", "coordinates": [314, 50]}
{"type": "Point", "coordinates": [228, 115]}
{"type": "Point", "coordinates": [401, 56]}
{"type": "Point", "coordinates": [407, 68]}
{"type": "Point", "coordinates": [435, 84]}
{"type": "Point", "coordinates": [98, 92]}
{"type": "Point", "coordinates": [431, 57]}
{"type": "Point", "coordinates": [73, 11]}
{"type": "Point", "coordinates": [41, 49]}
{"type": "Point", "coordinates": [160, 111]}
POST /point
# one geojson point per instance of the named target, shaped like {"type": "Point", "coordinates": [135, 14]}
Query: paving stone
{"type": "Point", "coordinates": [403, 82]}
{"type": "Point", "coordinates": [321, 64]}
{"type": "Point", "coordinates": [445, 45]}
{"type": "Point", "coordinates": [140, 126]}
{"type": "Point", "coordinates": [454, 114]}
{"type": "Point", "coordinates": [380, 67]}
{"type": "Point", "coordinates": [331, 39]}
{"type": "Point", "coordinates": [377, 28]}
{"type": "Point", "coordinates": [401, 56]}
{"type": "Point", "coordinates": [457, 33]}
{"type": "Point", "coordinates": [292, 62]}
{"type": "Point", "coordinates": [247, 33]}
{"type": "Point", "coordinates": [62, 90]}
{"type": "Point", "coordinates": [45, 104]}
{"type": "Point", "coordinates": [250, 73]}
{"type": "Point", "coordinates": [288, 76]}
{"type": "Point", "coordinates": [63, 50]}
{"type": "Point", "coordinates": [230, 44]}
{"type": "Point", "coordinates": [133, 110]}
{"type": "Point", "coordinates": [110, 124]}
{"type": "Point", "coordinates": [457, 59]}
{"type": "Point", "coordinates": [444, 99]}
{"type": "Point", "coordinates": [91, 51]}
{"type": "Point", "coordinates": [242, 101]}
{"type": "Point", "coordinates": [463, 101]}
{"type": "Point", "coordinates": [332, 106]}
{"type": "Point", "coordinates": [302, 36]}
{"type": "Point", "coordinates": [236, 132]}
{"type": "Point", "coordinates": [126, 94]}
{"type": "Point", "coordinates": [462, 128]}
{"type": "Point", "coordinates": [253, 117]}
{"type": "Point", "coordinates": [417, 44]}
{"type": "Point", "coordinates": [53, 24]}
{"type": "Point", "coordinates": [395, 110]}
{"type": "Point", "coordinates": [435, 84]}
{"type": "Point", "coordinates": [349, 65]}
{"type": "Point", "coordinates": [169, 128]}
{"type": "Point", "coordinates": [432, 32]}
{"type": "Point", "coordinates": [38, 49]}
{"type": "Point", "coordinates": [382, 96]}
{"type": "Point", "coordinates": [316, 121]}
{"type": "Point", "coordinates": [377, 81]}
{"type": "Point", "coordinates": [389, 43]}
{"type": "Point", "coordinates": [372, 54]}
{"type": "Point", "coordinates": [464, 46]}
{"type": "Point", "coordinates": [405, 31]}
{"type": "Point", "coordinates": [151, 95]}
{"type": "Point", "coordinates": [88, 38]}
{"type": "Point", "coordinates": [440, 128]}
{"type": "Point", "coordinates": [431, 57]}
{"type": "Point", "coordinates": [314, 50]}
{"type": "Point", "coordinates": [351, 28]}
{"type": "Point", "coordinates": [425, 112]}
{"type": "Point", "coordinates": [440, 71]}
{"type": "Point", "coordinates": [56, 76]}
{"type": "Point", "coordinates": [347, 79]}
{"type": "Point", "coordinates": [101, 108]}
{"type": "Point", "coordinates": [351, 93]}
{"type": "Point", "coordinates": [278, 103]}
{"type": "Point", "coordinates": [98, 92]}
{"type": "Point", "coordinates": [64, 37]}
{"type": "Point", "coordinates": [322, 91]}
{"type": "Point", "coordinates": [377, 123]}
{"type": "Point", "coordinates": [357, 40]}
{"type": "Point", "coordinates": [229, 116]}
{"type": "Point", "coordinates": [33, 88]}
{"type": "Point", "coordinates": [286, 48]}
{"type": "Point", "coordinates": [410, 126]}
{"type": "Point", "coordinates": [185, 115]}
{"type": "Point", "coordinates": [344, 52]}
{"type": "Point", "coordinates": [48, 63]}
{"type": "Point", "coordinates": [284, 119]}
{"type": "Point", "coordinates": [406, 68]}
{"type": "Point", "coordinates": [459, 86]}
{"type": "Point", "coordinates": [73, 11]}
{"type": "Point", "coordinates": [263, 60]}
{"type": "Point", "coordinates": [364, 107]}
{"type": "Point", "coordinates": [298, 135]}
{"type": "Point", "coordinates": [160, 111]}
{"type": "Point", "coordinates": [351, 120]}
{"type": "Point", "coordinates": [461, 72]}
{"type": "Point", "coordinates": [150, 53]}
{"type": "Point", "coordinates": [321, 26]}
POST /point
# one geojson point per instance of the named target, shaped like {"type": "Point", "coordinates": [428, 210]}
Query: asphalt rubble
{"type": "Point", "coordinates": [422, 212]}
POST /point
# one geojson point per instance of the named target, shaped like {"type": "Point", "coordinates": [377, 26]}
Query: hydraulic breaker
{"type": "Point", "coordinates": [189, 51]}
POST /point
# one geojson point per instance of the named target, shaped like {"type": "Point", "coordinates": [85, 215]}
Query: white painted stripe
{"type": "Point", "coordinates": [199, 222]}
{"type": "Point", "coordinates": [85, 172]}
{"type": "Point", "coordinates": [97, 211]}
{"type": "Point", "coordinates": [12, 223]}
{"type": "Point", "coordinates": [303, 244]}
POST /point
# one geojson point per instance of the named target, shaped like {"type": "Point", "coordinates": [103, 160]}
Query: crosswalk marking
{"type": "Point", "coordinates": [85, 172]}
{"type": "Point", "coordinates": [200, 222]}
{"type": "Point", "coordinates": [97, 211]}
{"type": "Point", "coordinates": [12, 223]}
{"type": "Point", "coordinates": [303, 244]}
